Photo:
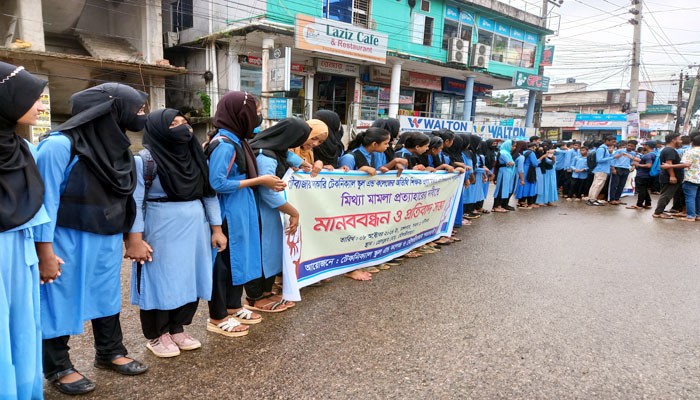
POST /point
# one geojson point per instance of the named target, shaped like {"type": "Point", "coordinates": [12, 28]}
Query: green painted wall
{"type": "Point", "coordinates": [285, 11]}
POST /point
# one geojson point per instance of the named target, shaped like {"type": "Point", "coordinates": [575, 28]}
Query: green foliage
{"type": "Point", "coordinates": [206, 103]}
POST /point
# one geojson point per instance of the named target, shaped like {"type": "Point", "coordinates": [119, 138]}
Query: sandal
{"type": "Point", "coordinates": [230, 327]}
{"type": "Point", "coordinates": [455, 239]}
{"type": "Point", "coordinates": [288, 303]}
{"type": "Point", "coordinates": [633, 208]}
{"type": "Point", "coordinates": [371, 270]}
{"type": "Point", "coordinates": [383, 267]}
{"type": "Point", "coordinates": [246, 317]}
{"type": "Point", "coordinates": [271, 305]}
{"type": "Point", "coordinates": [662, 216]}
{"type": "Point", "coordinates": [358, 275]}
{"type": "Point", "coordinates": [499, 210]}
{"type": "Point", "coordinates": [392, 263]}
{"type": "Point", "coordinates": [413, 254]}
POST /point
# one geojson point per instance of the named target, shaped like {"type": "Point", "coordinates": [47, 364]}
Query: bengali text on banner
{"type": "Point", "coordinates": [350, 220]}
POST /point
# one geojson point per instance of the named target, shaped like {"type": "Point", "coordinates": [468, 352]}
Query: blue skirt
{"type": "Point", "coordinates": [547, 190]}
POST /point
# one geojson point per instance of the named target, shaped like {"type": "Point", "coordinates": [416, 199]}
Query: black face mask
{"type": "Point", "coordinates": [137, 124]}
{"type": "Point", "coordinates": [259, 121]}
{"type": "Point", "coordinates": [181, 133]}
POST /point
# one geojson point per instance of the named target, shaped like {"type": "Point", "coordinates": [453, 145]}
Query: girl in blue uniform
{"type": "Point", "coordinates": [434, 159]}
{"type": "Point", "coordinates": [330, 151]}
{"type": "Point", "coordinates": [547, 193]}
{"type": "Point", "coordinates": [414, 144]}
{"type": "Point", "coordinates": [527, 193]}
{"type": "Point", "coordinates": [271, 149]}
{"type": "Point", "coordinates": [233, 173]}
{"type": "Point", "coordinates": [504, 179]}
{"type": "Point", "coordinates": [179, 217]}
{"type": "Point", "coordinates": [21, 208]}
{"type": "Point", "coordinates": [519, 178]}
{"type": "Point", "coordinates": [89, 175]}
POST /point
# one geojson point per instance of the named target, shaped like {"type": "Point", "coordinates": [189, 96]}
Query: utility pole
{"type": "Point", "coordinates": [540, 68]}
{"type": "Point", "coordinates": [679, 101]}
{"type": "Point", "coordinates": [636, 57]}
{"type": "Point", "coordinates": [691, 102]}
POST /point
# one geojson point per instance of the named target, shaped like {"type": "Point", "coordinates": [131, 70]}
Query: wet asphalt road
{"type": "Point", "coordinates": [572, 302]}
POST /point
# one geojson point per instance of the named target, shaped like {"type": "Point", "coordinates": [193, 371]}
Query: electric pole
{"type": "Point", "coordinates": [691, 102]}
{"type": "Point", "coordinates": [636, 57]}
{"type": "Point", "coordinates": [679, 101]}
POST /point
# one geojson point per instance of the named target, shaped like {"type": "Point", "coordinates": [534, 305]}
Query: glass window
{"type": "Point", "coordinates": [515, 52]}
{"type": "Point", "coordinates": [458, 108]}
{"type": "Point", "coordinates": [338, 10]}
{"type": "Point", "coordinates": [528, 60]}
{"type": "Point", "coordinates": [406, 102]}
{"type": "Point", "coordinates": [466, 33]}
{"type": "Point", "coordinates": [425, 6]}
{"type": "Point", "coordinates": [449, 31]}
{"type": "Point", "coordinates": [485, 38]}
{"type": "Point", "coordinates": [251, 79]}
{"type": "Point", "coordinates": [375, 102]}
{"type": "Point", "coordinates": [442, 105]}
{"type": "Point", "coordinates": [182, 13]}
{"type": "Point", "coordinates": [498, 50]}
{"type": "Point", "coordinates": [428, 33]}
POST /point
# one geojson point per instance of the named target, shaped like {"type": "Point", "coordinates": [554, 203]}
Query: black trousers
{"type": "Point", "coordinates": [155, 323]}
{"type": "Point", "coordinates": [108, 344]}
{"type": "Point", "coordinates": [668, 190]}
{"type": "Point", "coordinates": [655, 184]}
{"type": "Point", "coordinates": [577, 187]}
{"type": "Point", "coordinates": [679, 199]}
{"type": "Point", "coordinates": [642, 186]}
{"type": "Point", "coordinates": [568, 181]}
{"type": "Point", "coordinates": [469, 208]}
{"type": "Point", "coordinates": [588, 184]}
{"type": "Point", "coordinates": [561, 177]}
{"type": "Point", "coordinates": [480, 205]}
{"type": "Point", "coordinates": [617, 183]}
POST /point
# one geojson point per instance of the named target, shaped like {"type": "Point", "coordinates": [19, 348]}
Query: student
{"type": "Point", "coordinates": [528, 191]}
{"type": "Point", "coordinates": [178, 219]}
{"type": "Point", "coordinates": [233, 173]}
{"type": "Point", "coordinates": [88, 168]}
{"type": "Point", "coordinates": [671, 175]}
{"type": "Point", "coordinates": [490, 153]}
{"type": "Point", "coordinates": [620, 169]}
{"type": "Point", "coordinates": [414, 144]}
{"type": "Point", "coordinates": [330, 151]}
{"type": "Point", "coordinates": [547, 191]}
{"type": "Point", "coordinates": [691, 180]}
{"type": "Point", "coordinates": [601, 171]}
{"type": "Point", "coordinates": [21, 209]}
{"type": "Point", "coordinates": [434, 159]}
{"type": "Point", "coordinates": [504, 180]}
{"type": "Point", "coordinates": [391, 125]}
{"type": "Point", "coordinates": [642, 180]}
{"type": "Point", "coordinates": [519, 178]}
{"type": "Point", "coordinates": [560, 166]}
{"type": "Point", "coordinates": [318, 135]}
{"type": "Point", "coordinates": [569, 156]}
{"type": "Point", "coordinates": [365, 153]}
{"type": "Point", "coordinates": [273, 158]}
{"type": "Point", "coordinates": [579, 175]}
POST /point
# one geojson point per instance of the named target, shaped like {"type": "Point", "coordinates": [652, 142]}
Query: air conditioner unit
{"type": "Point", "coordinates": [457, 51]}
{"type": "Point", "coordinates": [480, 56]}
{"type": "Point", "coordinates": [171, 39]}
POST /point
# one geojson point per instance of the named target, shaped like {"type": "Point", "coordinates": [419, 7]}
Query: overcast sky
{"type": "Point", "coordinates": [594, 42]}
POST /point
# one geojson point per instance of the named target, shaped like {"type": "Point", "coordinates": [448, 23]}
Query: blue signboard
{"type": "Point", "coordinates": [278, 108]}
{"type": "Point", "coordinates": [486, 24]}
{"type": "Point", "coordinates": [502, 29]}
{"type": "Point", "coordinates": [531, 38]}
{"type": "Point", "coordinates": [453, 13]}
{"type": "Point", "coordinates": [517, 34]}
{"type": "Point", "coordinates": [601, 117]}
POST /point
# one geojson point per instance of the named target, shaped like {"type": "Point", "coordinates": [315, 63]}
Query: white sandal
{"type": "Point", "coordinates": [245, 317]}
{"type": "Point", "coordinates": [226, 328]}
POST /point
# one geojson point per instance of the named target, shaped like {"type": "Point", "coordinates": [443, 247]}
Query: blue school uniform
{"type": "Point", "coordinates": [470, 194]}
{"type": "Point", "coordinates": [530, 188]}
{"type": "Point", "coordinates": [89, 286]}
{"type": "Point", "coordinates": [179, 233]}
{"type": "Point", "coordinates": [580, 163]}
{"type": "Point", "coordinates": [547, 185]}
{"type": "Point", "coordinates": [504, 180]}
{"type": "Point", "coordinates": [20, 328]}
{"type": "Point", "coordinates": [272, 228]}
{"type": "Point", "coordinates": [519, 171]}
{"type": "Point", "coordinates": [480, 172]}
{"type": "Point", "coordinates": [375, 160]}
{"type": "Point", "coordinates": [603, 159]}
{"type": "Point", "coordinates": [239, 209]}
{"type": "Point", "coordinates": [561, 160]}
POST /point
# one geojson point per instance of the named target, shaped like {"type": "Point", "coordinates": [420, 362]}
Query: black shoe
{"type": "Point", "coordinates": [509, 208]}
{"type": "Point", "coordinates": [81, 386]}
{"type": "Point", "coordinates": [592, 203]}
{"type": "Point", "coordinates": [132, 368]}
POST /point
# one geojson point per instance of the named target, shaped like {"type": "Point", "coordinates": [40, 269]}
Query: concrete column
{"type": "Point", "coordinates": [267, 44]}
{"type": "Point", "coordinates": [530, 117]}
{"type": "Point", "coordinates": [395, 89]}
{"type": "Point", "coordinates": [309, 97]}
{"type": "Point", "coordinates": [468, 99]}
{"type": "Point", "coordinates": [156, 93]}
{"type": "Point", "coordinates": [152, 31]}
{"type": "Point", "coordinates": [234, 68]}
{"type": "Point", "coordinates": [31, 23]}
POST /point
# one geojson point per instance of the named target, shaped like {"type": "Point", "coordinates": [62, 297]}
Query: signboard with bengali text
{"type": "Point", "coordinates": [523, 80]}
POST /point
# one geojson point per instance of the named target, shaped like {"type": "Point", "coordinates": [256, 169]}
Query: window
{"type": "Point", "coordinates": [428, 32]}
{"type": "Point", "coordinates": [499, 48]}
{"type": "Point", "coordinates": [528, 60]}
{"type": "Point", "coordinates": [182, 15]}
{"type": "Point", "coordinates": [251, 79]}
{"type": "Point", "coordinates": [354, 12]}
{"type": "Point", "coordinates": [515, 52]}
{"type": "Point", "coordinates": [599, 111]}
{"type": "Point", "coordinates": [425, 6]}
{"type": "Point", "coordinates": [485, 38]}
{"type": "Point", "coordinates": [452, 30]}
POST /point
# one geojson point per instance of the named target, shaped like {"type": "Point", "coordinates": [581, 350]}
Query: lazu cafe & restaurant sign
{"type": "Point", "coordinates": [341, 39]}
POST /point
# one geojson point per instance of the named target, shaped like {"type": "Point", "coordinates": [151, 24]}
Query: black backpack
{"type": "Point", "coordinates": [591, 160]}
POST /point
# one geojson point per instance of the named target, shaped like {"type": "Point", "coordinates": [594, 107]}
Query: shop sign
{"type": "Point", "coordinates": [547, 56]}
{"type": "Point", "coordinates": [523, 80]}
{"type": "Point", "coordinates": [337, 68]}
{"type": "Point", "coordinates": [383, 75]}
{"type": "Point", "coordinates": [659, 109]}
{"type": "Point", "coordinates": [341, 39]}
{"type": "Point", "coordinates": [458, 86]}
{"type": "Point", "coordinates": [43, 122]}
{"type": "Point", "coordinates": [632, 125]}
{"type": "Point", "coordinates": [279, 108]}
{"type": "Point", "coordinates": [423, 124]}
{"type": "Point", "coordinates": [280, 69]}
{"type": "Point", "coordinates": [257, 61]}
{"type": "Point", "coordinates": [453, 13]}
{"type": "Point", "coordinates": [558, 120]}
{"type": "Point", "coordinates": [424, 81]}
{"type": "Point", "coordinates": [600, 121]}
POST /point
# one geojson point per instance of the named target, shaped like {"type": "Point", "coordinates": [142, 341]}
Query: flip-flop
{"type": "Point", "coordinates": [662, 216]}
{"type": "Point", "coordinates": [633, 208]}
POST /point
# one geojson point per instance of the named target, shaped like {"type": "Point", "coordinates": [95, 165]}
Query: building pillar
{"type": "Point", "coordinates": [234, 67]}
{"type": "Point", "coordinates": [395, 89]}
{"type": "Point", "coordinates": [468, 99]}
{"type": "Point", "coordinates": [267, 44]}
{"type": "Point", "coordinates": [530, 117]}
{"type": "Point", "coordinates": [309, 97]}
{"type": "Point", "coordinates": [31, 24]}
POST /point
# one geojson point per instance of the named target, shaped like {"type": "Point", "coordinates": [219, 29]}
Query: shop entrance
{"type": "Point", "coordinates": [335, 93]}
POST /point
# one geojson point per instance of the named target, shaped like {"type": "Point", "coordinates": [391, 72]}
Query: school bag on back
{"type": "Point", "coordinates": [591, 160]}
{"type": "Point", "coordinates": [656, 166]}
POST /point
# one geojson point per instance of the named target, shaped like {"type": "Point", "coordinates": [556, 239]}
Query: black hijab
{"type": "Point", "coordinates": [237, 112]}
{"type": "Point", "coordinates": [330, 151]}
{"type": "Point", "coordinates": [182, 167]}
{"type": "Point", "coordinates": [21, 186]}
{"type": "Point", "coordinates": [278, 139]}
{"type": "Point", "coordinates": [455, 151]}
{"type": "Point", "coordinates": [101, 116]}
{"type": "Point", "coordinates": [391, 125]}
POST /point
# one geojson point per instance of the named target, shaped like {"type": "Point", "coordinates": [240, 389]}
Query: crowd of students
{"type": "Point", "coordinates": [202, 222]}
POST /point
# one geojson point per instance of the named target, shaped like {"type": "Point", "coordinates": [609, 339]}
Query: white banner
{"type": "Point", "coordinates": [424, 124]}
{"type": "Point", "coordinates": [349, 220]}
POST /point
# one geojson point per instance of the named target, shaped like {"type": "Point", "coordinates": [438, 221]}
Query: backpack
{"type": "Point", "coordinates": [531, 173]}
{"type": "Point", "coordinates": [592, 160]}
{"type": "Point", "coordinates": [238, 154]}
{"type": "Point", "coordinates": [656, 166]}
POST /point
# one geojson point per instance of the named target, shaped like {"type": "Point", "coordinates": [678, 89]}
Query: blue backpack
{"type": "Point", "coordinates": [656, 166]}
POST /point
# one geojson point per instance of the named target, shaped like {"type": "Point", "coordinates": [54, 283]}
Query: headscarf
{"type": "Point", "coordinates": [520, 147]}
{"type": "Point", "coordinates": [505, 151]}
{"type": "Point", "coordinates": [455, 151]}
{"type": "Point", "coordinates": [330, 151]}
{"type": "Point", "coordinates": [279, 138]}
{"type": "Point", "coordinates": [486, 148]}
{"type": "Point", "coordinates": [319, 130]}
{"type": "Point", "coordinates": [392, 126]}
{"type": "Point", "coordinates": [182, 166]}
{"type": "Point", "coordinates": [21, 186]}
{"type": "Point", "coordinates": [101, 116]}
{"type": "Point", "coordinates": [237, 112]}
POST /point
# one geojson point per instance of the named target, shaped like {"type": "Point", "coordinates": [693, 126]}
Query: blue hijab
{"type": "Point", "coordinates": [505, 151]}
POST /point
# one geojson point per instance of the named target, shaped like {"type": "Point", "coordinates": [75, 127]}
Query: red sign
{"type": "Point", "coordinates": [424, 81]}
{"type": "Point", "coordinates": [257, 61]}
